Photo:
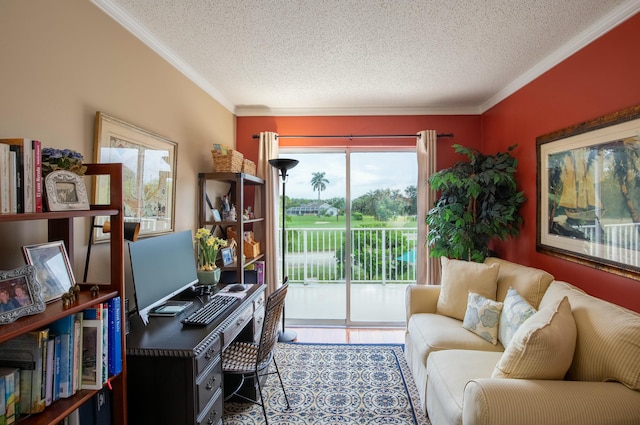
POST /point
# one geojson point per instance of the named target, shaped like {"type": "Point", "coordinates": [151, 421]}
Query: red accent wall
{"type": "Point", "coordinates": [601, 78]}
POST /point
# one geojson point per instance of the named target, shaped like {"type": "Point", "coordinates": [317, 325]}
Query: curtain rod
{"type": "Point", "coordinates": [357, 136]}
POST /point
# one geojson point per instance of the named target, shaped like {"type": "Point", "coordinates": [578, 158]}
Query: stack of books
{"type": "Point", "coordinates": [21, 184]}
{"type": "Point", "coordinates": [79, 351]}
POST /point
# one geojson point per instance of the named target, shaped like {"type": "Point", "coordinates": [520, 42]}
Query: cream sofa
{"type": "Point", "coordinates": [598, 344]}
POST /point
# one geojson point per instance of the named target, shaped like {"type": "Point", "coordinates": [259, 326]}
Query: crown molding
{"type": "Point", "coordinates": [139, 31]}
{"type": "Point", "coordinates": [597, 30]}
{"type": "Point", "coordinates": [255, 111]}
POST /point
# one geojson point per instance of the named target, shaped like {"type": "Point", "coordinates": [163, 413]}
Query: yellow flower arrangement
{"type": "Point", "coordinates": [208, 247]}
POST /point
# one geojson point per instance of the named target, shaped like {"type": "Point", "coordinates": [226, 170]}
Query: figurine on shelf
{"type": "Point", "coordinates": [225, 209]}
{"type": "Point", "coordinates": [232, 213]}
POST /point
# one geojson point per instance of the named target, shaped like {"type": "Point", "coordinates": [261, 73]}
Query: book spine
{"type": "Point", "coordinates": [49, 366]}
{"type": "Point", "coordinates": [5, 203]}
{"type": "Point", "coordinates": [65, 354]}
{"type": "Point", "coordinates": [13, 183]}
{"type": "Point", "coordinates": [37, 175]}
{"type": "Point", "coordinates": [77, 354]}
{"type": "Point", "coordinates": [92, 354]}
{"type": "Point", "coordinates": [56, 367]}
{"type": "Point", "coordinates": [3, 401]}
{"type": "Point", "coordinates": [19, 180]}
{"type": "Point", "coordinates": [27, 152]}
{"type": "Point", "coordinates": [115, 337]}
{"type": "Point", "coordinates": [105, 342]}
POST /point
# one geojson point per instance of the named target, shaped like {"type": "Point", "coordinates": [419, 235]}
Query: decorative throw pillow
{"type": "Point", "coordinates": [514, 312]}
{"type": "Point", "coordinates": [482, 317]}
{"type": "Point", "coordinates": [458, 278]}
{"type": "Point", "coordinates": [543, 346]}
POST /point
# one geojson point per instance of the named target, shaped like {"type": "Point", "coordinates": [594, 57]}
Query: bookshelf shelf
{"type": "Point", "coordinates": [60, 227]}
{"type": "Point", "coordinates": [241, 186]}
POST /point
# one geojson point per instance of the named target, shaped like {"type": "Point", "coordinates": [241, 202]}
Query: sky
{"type": "Point", "coordinates": [370, 171]}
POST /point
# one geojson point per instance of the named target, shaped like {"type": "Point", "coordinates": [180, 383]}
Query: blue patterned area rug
{"type": "Point", "coordinates": [336, 384]}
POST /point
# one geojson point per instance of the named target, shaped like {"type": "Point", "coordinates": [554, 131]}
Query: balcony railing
{"type": "Point", "coordinates": [379, 255]}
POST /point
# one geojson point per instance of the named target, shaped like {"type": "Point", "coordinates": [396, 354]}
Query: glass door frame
{"type": "Point", "coordinates": [347, 151]}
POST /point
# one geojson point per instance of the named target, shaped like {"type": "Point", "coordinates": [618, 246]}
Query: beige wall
{"type": "Point", "coordinates": [64, 60]}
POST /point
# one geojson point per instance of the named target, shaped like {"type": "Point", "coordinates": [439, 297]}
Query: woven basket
{"type": "Point", "coordinates": [229, 163]}
{"type": "Point", "coordinates": [249, 167]}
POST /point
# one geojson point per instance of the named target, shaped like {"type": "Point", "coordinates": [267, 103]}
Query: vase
{"type": "Point", "coordinates": [208, 277]}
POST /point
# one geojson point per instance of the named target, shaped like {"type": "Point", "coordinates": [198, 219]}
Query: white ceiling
{"type": "Point", "coordinates": [365, 57]}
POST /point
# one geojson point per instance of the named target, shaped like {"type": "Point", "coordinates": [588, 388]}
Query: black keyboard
{"type": "Point", "coordinates": [210, 311]}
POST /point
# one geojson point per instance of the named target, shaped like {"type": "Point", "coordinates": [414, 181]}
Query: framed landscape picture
{"type": "Point", "coordinates": [589, 193]}
{"type": "Point", "coordinates": [149, 168]}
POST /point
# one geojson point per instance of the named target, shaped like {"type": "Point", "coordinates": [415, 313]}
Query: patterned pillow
{"type": "Point", "coordinates": [514, 312]}
{"type": "Point", "coordinates": [482, 317]}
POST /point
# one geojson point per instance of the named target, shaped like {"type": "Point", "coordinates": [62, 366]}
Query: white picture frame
{"type": "Point", "coordinates": [65, 191]}
{"type": "Point", "coordinates": [52, 268]}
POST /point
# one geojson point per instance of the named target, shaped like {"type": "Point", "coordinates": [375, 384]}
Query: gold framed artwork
{"type": "Point", "coordinates": [589, 193]}
{"type": "Point", "coordinates": [149, 168]}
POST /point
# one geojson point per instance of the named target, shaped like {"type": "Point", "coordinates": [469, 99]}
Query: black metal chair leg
{"type": "Point", "coordinates": [281, 384]}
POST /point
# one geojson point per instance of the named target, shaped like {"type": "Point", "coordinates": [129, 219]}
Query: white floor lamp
{"type": "Point", "coordinates": [284, 164]}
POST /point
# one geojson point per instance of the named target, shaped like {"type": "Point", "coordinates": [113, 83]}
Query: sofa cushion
{"type": "Point", "coordinates": [542, 348]}
{"type": "Point", "coordinates": [434, 332]}
{"type": "Point", "coordinates": [530, 283]}
{"type": "Point", "coordinates": [514, 312]}
{"type": "Point", "coordinates": [482, 317]}
{"type": "Point", "coordinates": [458, 278]}
{"type": "Point", "coordinates": [608, 341]}
{"type": "Point", "coordinates": [447, 375]}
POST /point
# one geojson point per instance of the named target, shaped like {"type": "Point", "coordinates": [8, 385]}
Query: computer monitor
{"type": "Point", "coordinates": [162, 267]}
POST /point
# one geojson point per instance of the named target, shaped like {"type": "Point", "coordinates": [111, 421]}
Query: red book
{"type": "Point", "coordinates": [37, 175]}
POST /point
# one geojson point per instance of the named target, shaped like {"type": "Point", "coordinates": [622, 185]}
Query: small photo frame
{"type": "Point", "coordinates": [65, 191]}
{"type": "Point", "coordinates": [52, 267]}
{"type": "Point", "coordinates": [19, 294]}
{"type": "Point", "coordinates": [227, 256]}
{"type": "Point", "coordinates": [216, 215]}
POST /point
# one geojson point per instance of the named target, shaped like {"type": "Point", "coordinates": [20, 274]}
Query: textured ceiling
{"type": "Point", "coordinates": [315, 57]}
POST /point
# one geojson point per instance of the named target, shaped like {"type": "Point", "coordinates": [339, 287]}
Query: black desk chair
{"type": "Point", "coordinates": [252, 360]}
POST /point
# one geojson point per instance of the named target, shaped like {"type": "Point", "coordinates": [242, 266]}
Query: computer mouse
{"type": "Point", "coordinates": [236, 288]}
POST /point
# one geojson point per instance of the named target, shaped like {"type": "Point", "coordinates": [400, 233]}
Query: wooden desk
{"type": "Point", "coordinates": [175, 372]}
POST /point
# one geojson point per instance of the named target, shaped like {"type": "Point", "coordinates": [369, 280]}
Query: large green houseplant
{"type": "Point", "coordinates": [479, 201]}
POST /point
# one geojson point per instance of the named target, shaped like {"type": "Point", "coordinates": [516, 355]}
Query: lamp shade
{"type": "Point", "coordinates": [131, 229]}
{"type": "Point", "coordinates": [283, 164]}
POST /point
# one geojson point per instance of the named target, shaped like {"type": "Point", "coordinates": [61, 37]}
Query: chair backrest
{"type": "Point", "coordinates": [272, 315]}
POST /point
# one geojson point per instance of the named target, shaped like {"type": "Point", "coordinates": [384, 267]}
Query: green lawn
{"type": "Point", "coordinates": [315, 222]}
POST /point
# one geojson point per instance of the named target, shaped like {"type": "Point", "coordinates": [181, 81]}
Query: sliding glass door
{"type": "Point", "coordinates": [351, 233]}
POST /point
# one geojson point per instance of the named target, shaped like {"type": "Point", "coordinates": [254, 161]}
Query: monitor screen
{"type": "Point", "coordinates": [162, 266]}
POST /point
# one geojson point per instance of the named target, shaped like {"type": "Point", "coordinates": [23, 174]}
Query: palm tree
{"type": "Point", "coordinates": [319, 182]}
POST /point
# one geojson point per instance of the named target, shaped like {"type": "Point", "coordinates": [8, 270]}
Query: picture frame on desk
{"type": "Point", "coordinates": [65, 191]}
{"type": "Point", "coordinates": [19, 294]}
{"type": "Point", "coordinates": [150, 160]}
{"type": "Point", "coordinates": [227, 256]}
{"type": "Point", "coordinates": [52, 268]}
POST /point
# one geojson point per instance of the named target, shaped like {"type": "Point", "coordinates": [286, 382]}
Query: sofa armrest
{"type": "Point", "coordinates": [421, 299]}
{"type": "Point", "coordinates": [490, 401]}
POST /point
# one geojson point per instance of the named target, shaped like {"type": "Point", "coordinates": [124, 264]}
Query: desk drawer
{"type": "Point", "coordinates": [259, 302]}
{"type": "Point", "coordinates": [213, 413]}
{"type": "Point", "coordinates": [233, 329]}
{"type": "Point", "coordinates": [208, 384]}
{"type": "Point", "coordinates": [209, 351]}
